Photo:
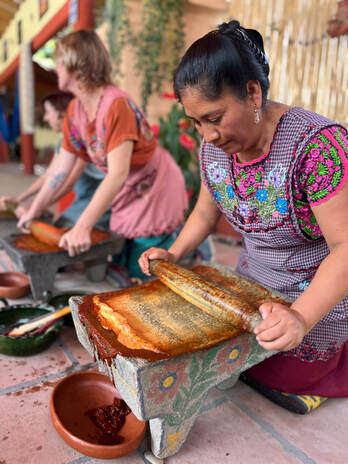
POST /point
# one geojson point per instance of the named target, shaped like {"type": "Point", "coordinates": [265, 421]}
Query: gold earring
{"type": "Point", "coordinates": [256, 116]}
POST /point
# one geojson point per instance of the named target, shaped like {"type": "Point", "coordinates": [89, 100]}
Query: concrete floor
{"type": "Point", "coordinates": [236, 426]}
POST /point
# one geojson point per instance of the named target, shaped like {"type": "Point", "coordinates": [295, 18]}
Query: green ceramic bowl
{"type": "Point", "coordinates": [60, 300]}
{"type": "Point", "coordinates": [29, 344]}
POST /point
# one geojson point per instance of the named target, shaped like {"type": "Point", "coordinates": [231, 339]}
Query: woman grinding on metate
{"type": "Point", "coordinates": [278, 175]}
{"type": "Point", "coordinates": [142, 183]}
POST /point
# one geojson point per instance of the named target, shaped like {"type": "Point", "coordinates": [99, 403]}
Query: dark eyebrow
{"type": "Point", "coordinates": [204, 116]}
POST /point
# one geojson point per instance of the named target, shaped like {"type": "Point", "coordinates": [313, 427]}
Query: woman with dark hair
{"type": "Point", "coordinates": [278, 175]}
{"type": "Point", "coordinates": [143, 185]}
{"type": "Point", "coordinates": [83, 180]}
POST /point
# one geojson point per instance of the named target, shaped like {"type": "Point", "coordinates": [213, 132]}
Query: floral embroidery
{"type": "Point", "coordinates": [303, 285]}
{"type": "Point", "coordinates": [143, 125]}
{"type": "Point", "coordinates": [248, 180]}
{"type": "Point", "coordinates": [75, 139]}
{"type": "Point", "coordinates": [215, 173]}
{"type": "Point", "coordinates": [320, 175]}
{"type": "Point", "coordinates": [308, 353]}
{"type": "Point", "coordinates": [261, 195]}
{"type": "Point", "coordinates": [259, 203]}
{"type": "Point", "coordinates": [281, 205]}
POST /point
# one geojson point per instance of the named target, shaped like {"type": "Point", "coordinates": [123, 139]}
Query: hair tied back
{"type": "Point", "coordinates": [228, 28]}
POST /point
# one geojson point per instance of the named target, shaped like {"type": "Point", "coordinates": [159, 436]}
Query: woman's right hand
{"type": "Point", "coordinates": [154, 253]}
{"type": "Point", "coordinates": [24, 220]}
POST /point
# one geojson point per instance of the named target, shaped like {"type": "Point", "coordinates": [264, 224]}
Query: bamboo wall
{"type": "Point", "coordinates": [308, 68]}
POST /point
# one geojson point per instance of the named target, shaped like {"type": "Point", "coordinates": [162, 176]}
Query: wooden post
{"type": "Point", "coordinates": [4, 154]}
{"type": "Point", "coordinates": [27, 152]}
{"type": "Point", "coordinates": [85, 15]}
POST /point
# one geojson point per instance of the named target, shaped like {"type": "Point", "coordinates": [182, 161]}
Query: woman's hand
{"type": "Point", "coordinates": [154, 253]}
{"type": "Point", "coordinates": [6, 199]}
{"type": "Point", "coordinates": [20, 210]}
{"type": "Point", "coordinates": [25, 219]}
{"type": "Point", "coordinates": [76, 241]}
{"type": "Point", "coordinates": [282, 328]}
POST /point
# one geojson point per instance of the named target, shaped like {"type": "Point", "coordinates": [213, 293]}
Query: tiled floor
{"type": "Point", "coordinates": [236, 426]}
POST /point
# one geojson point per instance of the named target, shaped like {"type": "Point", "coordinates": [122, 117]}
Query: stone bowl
{"type": "Point", "coordinates": [14, 284]}
{"type": "Point", "coordinates": [31, 343]}
{"type": "Point", "coordinates": [76, 394]}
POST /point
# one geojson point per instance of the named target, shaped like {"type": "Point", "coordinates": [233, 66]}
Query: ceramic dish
{"type": "Point", "coordinates": [14, 284]}
{"type": "Point", "coordinates": [80, 392]}
{"type": "Point", "coordinates": [29, 344]}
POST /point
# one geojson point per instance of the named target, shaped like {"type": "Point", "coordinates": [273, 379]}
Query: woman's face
{"type": "Point", "coordinates": [64, 76]}
{"type": "Point", "coordinates": [52, 117]}
{"type": "Point", "coordinates": [227, 123]}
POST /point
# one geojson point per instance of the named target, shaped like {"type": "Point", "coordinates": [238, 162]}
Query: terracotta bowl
{"type": "Point", "coordinates": [14, 284]}
{"type": "Point", "coordinates": [72, 397]}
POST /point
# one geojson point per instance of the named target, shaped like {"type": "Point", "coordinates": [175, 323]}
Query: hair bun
{"type": "Point", "coordinates": [229, 28]}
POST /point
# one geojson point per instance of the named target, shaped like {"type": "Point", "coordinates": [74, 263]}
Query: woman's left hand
{"type": "Point", "coordinates": [282, 328]}
{"type": "Point", "coordinates": [76, 241]}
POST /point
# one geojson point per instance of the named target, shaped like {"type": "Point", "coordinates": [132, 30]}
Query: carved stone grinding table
{"type": "Point", "coordinates": [170, 393]}
{"type": "Point", "coordinates": [41, 267]}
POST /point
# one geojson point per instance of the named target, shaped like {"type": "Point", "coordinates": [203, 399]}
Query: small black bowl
{"type": "Point", "coordinates": [28, 344]}
{"type": "Point", "coordinates": [60, 300]}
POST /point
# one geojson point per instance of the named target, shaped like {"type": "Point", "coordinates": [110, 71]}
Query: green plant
{"type": "Point", "coordinates": [177, 134]}
{"type": "Point", "coordinates": [157, 46]}
{"type": "Point", "coordinates": [118, 32]}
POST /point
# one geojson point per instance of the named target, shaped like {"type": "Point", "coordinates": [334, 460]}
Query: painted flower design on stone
{"type": "Point", "coordinates": [281, 205]}
{"type": "Point", "coordinates": [233, 355]}
{"type": "Point", "coordinates": [262, 195]}
{"type": "Point", "coordinates": [230, 191]}
{"type": "Point", "coordinates": [166, 382]}
{"type": "Point", "coordinates": [303, 285]}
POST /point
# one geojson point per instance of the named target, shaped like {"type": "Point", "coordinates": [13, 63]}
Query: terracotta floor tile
{"type": "Point", "coordinates": [73, 346]}
{"type": "Point", "coordinates": [15, 370]}
{"type": "Point", "coordinates": [322, 434]}
{"type": "Point", "coordinates": [225, 434]}
{"type": "Point", "coordinates": [27, 435]}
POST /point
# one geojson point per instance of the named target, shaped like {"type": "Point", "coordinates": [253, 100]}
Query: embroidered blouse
{"type": "Point", "coordinates": [320, 174]}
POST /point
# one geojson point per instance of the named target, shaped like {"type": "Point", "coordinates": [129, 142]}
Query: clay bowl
{"type": "Point", "coordinates": [76, 394]}
{"type": "Point", "coordinates": [29, 344]}
{"type": "Point", "coordinates": [14, 284]}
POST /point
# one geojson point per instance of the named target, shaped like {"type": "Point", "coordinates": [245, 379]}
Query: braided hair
{"type": "Point", "coordinates": [227, 57]}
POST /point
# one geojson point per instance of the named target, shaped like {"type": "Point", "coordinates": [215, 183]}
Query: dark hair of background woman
{"type": "Point", "coordinates": [227, 57]}
{"type": "Point", "coordinates": [59, 101]}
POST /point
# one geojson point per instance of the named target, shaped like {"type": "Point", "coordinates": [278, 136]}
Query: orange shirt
{"type": "Point", "coordinates": [123, 122]}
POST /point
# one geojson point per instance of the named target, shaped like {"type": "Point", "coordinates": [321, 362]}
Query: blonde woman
{"type": "Point", "coordinates": [143, 184]}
